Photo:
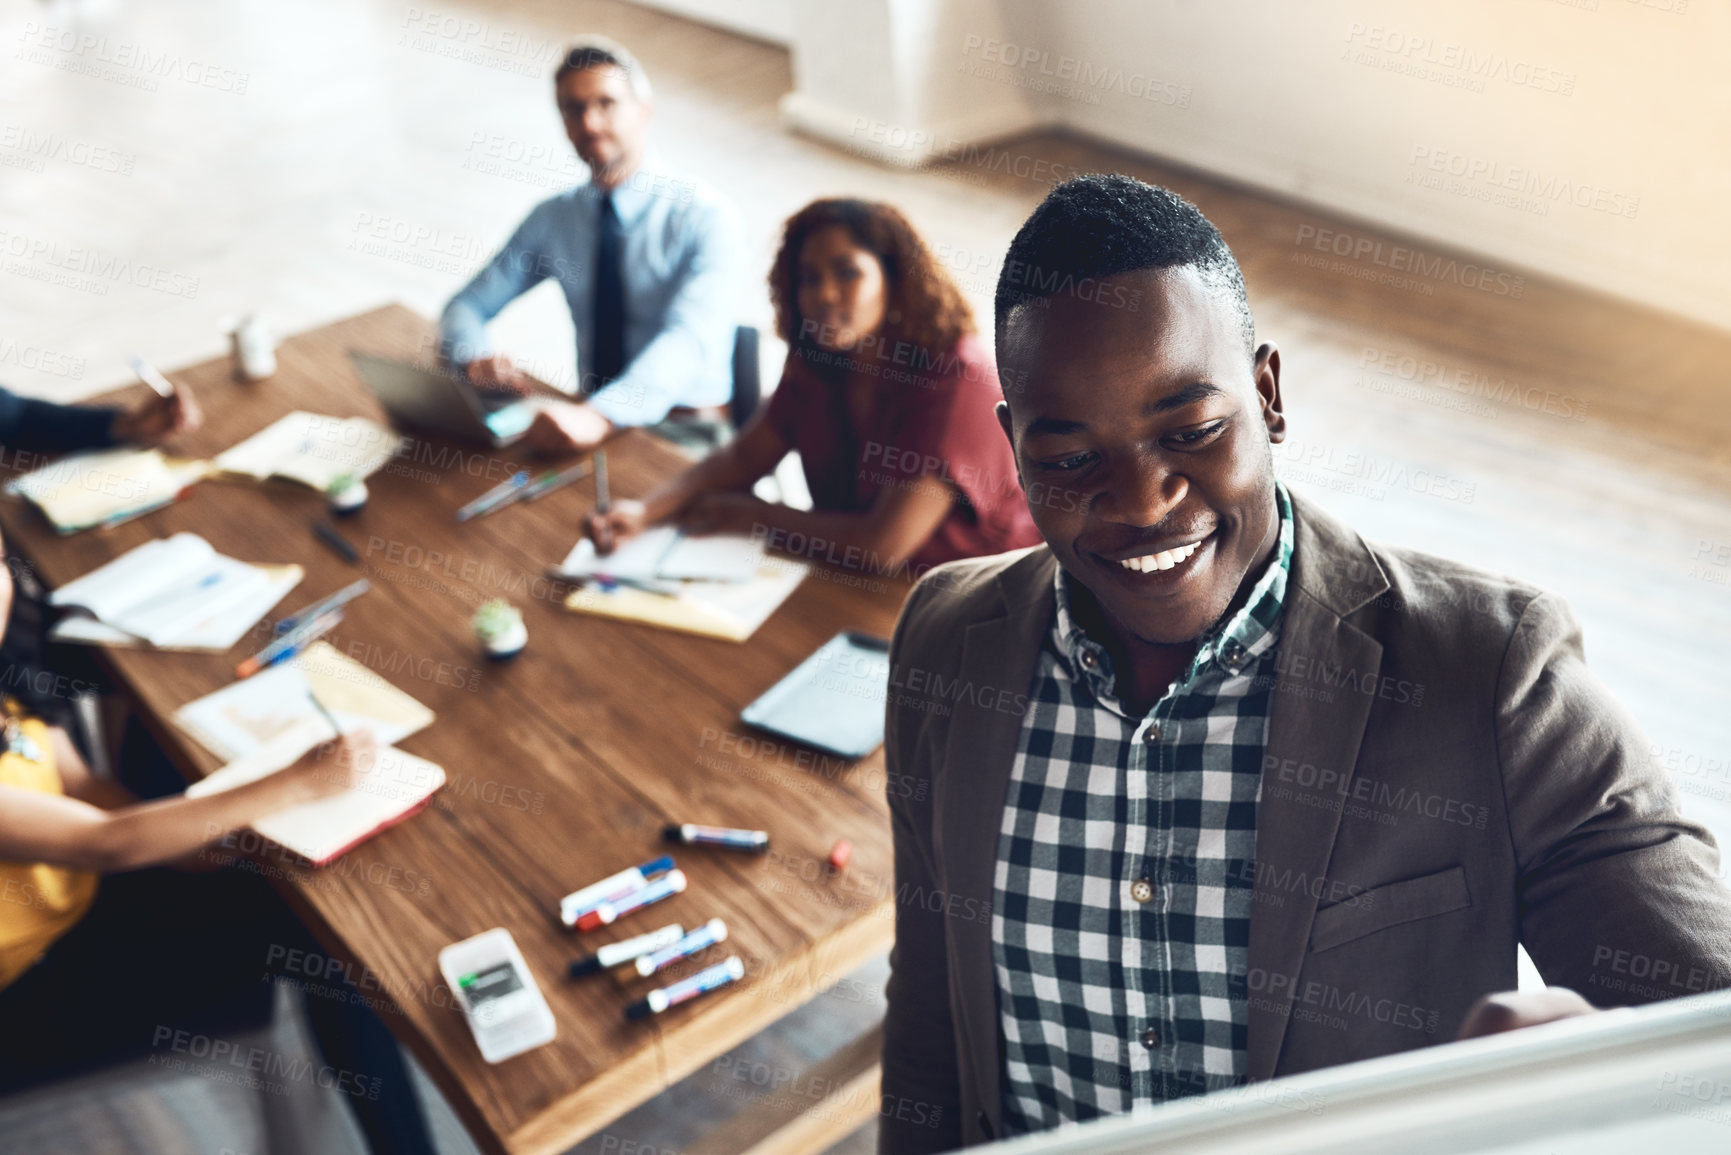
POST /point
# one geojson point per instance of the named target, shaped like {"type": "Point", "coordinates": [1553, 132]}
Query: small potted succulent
{"type": "Point", "coordinates": [500, 627]}
{"type": "Point", "coordinates": [346, 494]}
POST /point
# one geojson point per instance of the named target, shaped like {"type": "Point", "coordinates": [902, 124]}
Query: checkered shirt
{"type": "Point", "coordinates": [1125, 872]}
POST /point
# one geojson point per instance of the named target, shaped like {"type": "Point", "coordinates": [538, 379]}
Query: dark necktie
{"type": "Point", "coordinates": [609, 337]}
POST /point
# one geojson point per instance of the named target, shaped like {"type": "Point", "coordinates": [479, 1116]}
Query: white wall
{"type": "Point", "coordinates": [1588, 139]}
{"type": "Point", "coordinates": [770, 20]}
{"type": "Point", "coordinates": [1625, 108]}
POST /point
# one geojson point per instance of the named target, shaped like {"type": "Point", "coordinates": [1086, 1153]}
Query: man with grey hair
{"type": "Point", "coordinates": [648, 263]}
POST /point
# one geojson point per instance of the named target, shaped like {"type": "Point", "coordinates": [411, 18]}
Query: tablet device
{"type": "Point", "coordinates": [443, 402]}
{"type": "Point", "coordinates": [834, 700]}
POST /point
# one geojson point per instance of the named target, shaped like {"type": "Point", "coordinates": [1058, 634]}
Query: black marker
{"type": "Point", "coordinates": [717, 836]}
{"type": "Point", "coordinates": [338, 543]}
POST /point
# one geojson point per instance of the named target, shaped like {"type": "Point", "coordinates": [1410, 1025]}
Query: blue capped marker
{"type": "Point", "coordinates": [707, 935]}
{"type": "Point", "coordinates": [729, 970]}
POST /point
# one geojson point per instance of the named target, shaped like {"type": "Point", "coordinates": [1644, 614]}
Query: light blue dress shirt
{"type": "Point", "coordinates": [681, 263]}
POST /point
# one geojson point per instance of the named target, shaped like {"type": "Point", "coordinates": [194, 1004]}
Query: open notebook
{"type": "Point", "coordinates": [238, 719]}
{"type": "Point", "coordinates": [720, 586]}
{"type": "Point", "coordinates": [396, 786]}
{"type": "Point", "coordinates": [312, 449]}
{"type": "Point", "coordinates": [663, 553]}
{"type": "Point", "coordinates": [727, 610]}
{"type": "Point", "coordinates": [175, 593]}
{"type": "Point", "coordinates": [105, 487]}
{"type": "Point", "coordinates": [263, 723]}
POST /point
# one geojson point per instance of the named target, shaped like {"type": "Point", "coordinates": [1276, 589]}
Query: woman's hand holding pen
{"type": "Point", "coordinates": [332, 767]}
{"type": "Point", "coordinates": [624, 519]}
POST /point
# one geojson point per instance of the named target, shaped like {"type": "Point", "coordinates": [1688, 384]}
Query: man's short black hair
{"type": "Point", "coordinates": [1100, 225]}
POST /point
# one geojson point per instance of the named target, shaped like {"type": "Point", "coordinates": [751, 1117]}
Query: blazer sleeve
{"type": "Point", "coordinates": [44, 427]}
{"type": "Point", "coordinates": [921, 1106]}
{"type": "Point", "coordinates": [1620, 895]}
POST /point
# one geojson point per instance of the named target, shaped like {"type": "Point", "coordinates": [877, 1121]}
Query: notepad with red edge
{"type": "Point", "coordinates": [398, 785]}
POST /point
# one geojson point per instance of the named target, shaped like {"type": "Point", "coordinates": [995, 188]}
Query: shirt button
{"type": "Point", "coordinates": [1151, 735]}
{"type": "Point", "coordinates": [1142, 890]}
{"type": "Point", "coordinates": [1150, 1038]}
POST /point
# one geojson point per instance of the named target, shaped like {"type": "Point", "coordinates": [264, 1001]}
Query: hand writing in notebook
{"type": "Point", "coordinates": [626, 519]}
{"type": "Point", "coordinates": [335, 766]}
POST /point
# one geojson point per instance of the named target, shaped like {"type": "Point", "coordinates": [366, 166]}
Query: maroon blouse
{"type": "Point", "coordinates": [934, 416]}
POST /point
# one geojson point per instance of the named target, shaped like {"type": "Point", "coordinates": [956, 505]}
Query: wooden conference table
{"type": "Point", "coordinates": [563, 765]}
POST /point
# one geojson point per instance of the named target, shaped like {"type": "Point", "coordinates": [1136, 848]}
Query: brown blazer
{"type": "Point", "coordinates": [1444, 778]}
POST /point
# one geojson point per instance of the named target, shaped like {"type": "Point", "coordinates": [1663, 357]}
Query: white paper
{"type": "Point", "coordinates": [212, 590]}
{"type": "Point", "coordinates": [241, 717]}
{"type": "Point", "coordinates": [663, 552]}
{"type": "Point", "coordinates": [214, 632]}
{"type": "Point", "coordinates": [312, 449]}
{"type": "Point", "coordinates": [86, 489]}
{"type": "Point", "coordinates": [712, 557]}
{"type": "Point", "coordinates": [748, 604]}
{"type": "Point", "coordinates": [174, 592]}
{"type": "Point", "coordinates": [266, 758]}
{"type": "Point", "coordinates": [635, 558]}
{"type": "Point", "coordinates": [136, 576]}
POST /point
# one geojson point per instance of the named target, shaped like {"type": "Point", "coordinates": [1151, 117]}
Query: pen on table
{"type": "Point", "coordinates": [501, 494]}
{"type": "Point", "coordinates": [603, 502]}
{"type": "Point", "coordinates": [667, 589]}
{"type": "Point", "coordinates": [342, 597]}
{"type": "Point", "coordinates": [548, 482]}
{"type": "Point", "coordinates": [326, 714]}
{"type": "Point", "coordinates": [343, 547]}
{"type": "Point", "coordinates": [290, 644]}
{"type": "Point", "coordinates": [148, 374]}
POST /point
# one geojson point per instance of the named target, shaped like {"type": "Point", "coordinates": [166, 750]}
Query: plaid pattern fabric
{"type": "Point", "coordinates": [1126, 865]}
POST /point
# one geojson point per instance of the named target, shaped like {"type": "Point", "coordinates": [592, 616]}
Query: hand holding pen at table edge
{"type": "Point", "coordinates": [701, 500]}
{"type": "Point", "coordinates": [336, 765]}
{"type": "Point", "coordinates": [171, 409]}
{"type": "Point", "coordinates": [341, 762]}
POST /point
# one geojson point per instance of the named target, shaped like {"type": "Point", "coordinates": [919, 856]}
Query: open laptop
{"type": "Point", "coordinates": [443, 402]}
{"type": "Point", "coordinates": [1653, 1078]}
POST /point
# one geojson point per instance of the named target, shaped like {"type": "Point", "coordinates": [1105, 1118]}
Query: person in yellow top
{"type": "Point", "coordinates": [39, 902]}
{"type": "Point", "coordinates": [61, 827]}
{"type": "Point", "coordinates": [106, 952]}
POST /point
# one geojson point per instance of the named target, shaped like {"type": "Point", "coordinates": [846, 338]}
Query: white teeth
{"type": "Point", "coordinates": [1165, 559]}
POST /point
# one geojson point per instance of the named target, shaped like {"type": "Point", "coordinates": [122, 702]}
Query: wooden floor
{"type": "Point", "coordinates": [1577, 438]}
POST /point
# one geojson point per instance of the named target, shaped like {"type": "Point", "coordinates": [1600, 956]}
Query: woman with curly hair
{"type": "Point", "coordinates": [888, 395]}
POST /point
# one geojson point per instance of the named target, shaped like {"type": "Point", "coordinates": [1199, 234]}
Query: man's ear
{"type": "Point", "coordinates": [1003, 411]}
{"type": "Point", "coordinates": [1266, 375]}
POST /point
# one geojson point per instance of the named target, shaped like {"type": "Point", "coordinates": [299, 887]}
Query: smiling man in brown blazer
{"type": "Point", "coordinates": [1210, 788]}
